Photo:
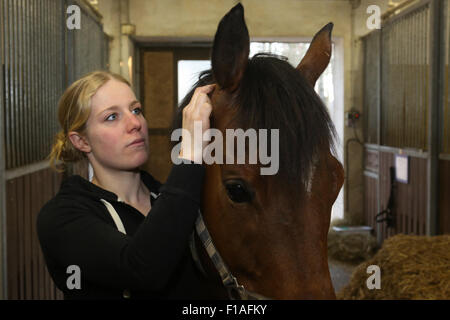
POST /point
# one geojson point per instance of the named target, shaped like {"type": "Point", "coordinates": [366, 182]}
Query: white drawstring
{"type": "Point", "coordinates": [114, 215]}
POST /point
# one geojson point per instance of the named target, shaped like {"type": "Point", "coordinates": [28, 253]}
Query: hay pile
{"type": "Point", "coordinates": [351, 247]}
{"type": "Point", "coordinates": [412, 267]}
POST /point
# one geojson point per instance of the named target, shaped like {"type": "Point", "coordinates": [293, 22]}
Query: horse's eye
{"type": "Point", "coordinates": [238, 192]}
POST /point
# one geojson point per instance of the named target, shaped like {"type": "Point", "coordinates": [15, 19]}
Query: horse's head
{"type": "Point", "coordinates": [271, 230]}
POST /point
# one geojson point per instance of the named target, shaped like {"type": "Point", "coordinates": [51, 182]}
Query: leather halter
{"type": "Point", "coordinates": [235, 290]}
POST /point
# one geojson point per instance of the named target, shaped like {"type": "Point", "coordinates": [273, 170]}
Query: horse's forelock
{"type": "Point", "coordinates": [274, 95]}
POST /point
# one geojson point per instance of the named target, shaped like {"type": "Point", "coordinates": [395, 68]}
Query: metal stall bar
{"type": "Point", "coordinates": [13, 82]}
{"type": "Point", "coordinates": [56, 72]}
{"type": "Point", "coordinates": [18, 84]}
{"type": "Point", "coordinates": [433, 118]}
{"type": "Point", "coordinates": [7, 123]}
{"type": "Point", "coordinates": [25, 84]}
{"type": "Point", "coordinates": [421, 75]}
{"type": "Point", "coordinates": [3, 269]}
{"type": "Point", "coordinates": [384, 85]}
{"type": "Point", "coordinates": [26, 80]}
{"type": "Point", "coordinates": [380, 128]}
{"type": "Point", "coordinates": [68, 51]}
{"type": "Point", "coordinates": [10, 82]}
{"type": "Point", "coordinates": [58, 79]}
{"type": "Point", "coordinates": [25, 156]}
{"type": "Point", "coordinates": [88, 41]}
{"type": "Point", "coordinates": [445, 84]}
{"type": "Point", "coordinates": [39, 13]}
{"type": "Point", "coordinates": [371, 103]}
{"type": "Point", "coordinates": [51, 75]}
{"type": "Point", "coordinates": [18, 87]}
{"type": "Point", "coordinates": [84, 53]}
{"type": "Point", "coordinates": [371, 85]}
{"type": "Point", "coordinates": [426, 60]}
{"type": "Point", "coordinates": [32, 141]}
{"type": "Point", "coordinates": [378, 115]}
{"type": "Point", "coordinates": [444, 108]}
{"type": "Point", "coordinates": [416, 85]}
{"type": "Point", "coordinates": [34, 64]}
{"type": "Point", "coordinates": [42, 69]}
{"type": "Point", "coordinates": [38, 73]}
{"type": "Point", "coordinates": [36, 90]}
{"type": "Point", "coordinates": [48, 47]}
{"type": "Point", "coordinates": [55, 75]}
{"type": "Point", "coordinates": [401, 127]}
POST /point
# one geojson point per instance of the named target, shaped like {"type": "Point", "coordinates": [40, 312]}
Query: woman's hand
{"type": "Point", "coordinates": [197, 111]}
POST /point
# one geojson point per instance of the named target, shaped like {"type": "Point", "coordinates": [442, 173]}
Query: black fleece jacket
{"type": "Point", "coordinates": [151, 261]}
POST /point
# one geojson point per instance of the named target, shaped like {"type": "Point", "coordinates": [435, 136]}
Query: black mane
{"type": "Point", "coordinates": [274, 95]}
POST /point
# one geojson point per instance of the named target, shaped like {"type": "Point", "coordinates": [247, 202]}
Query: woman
{"type": "Point", "coordinates": [123, 234]}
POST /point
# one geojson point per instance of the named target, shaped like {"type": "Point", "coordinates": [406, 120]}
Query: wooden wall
{"type": "Point", "coordinates": [28, 277]}
{"type": "Point", "coordinates": [410, 199]}
{"type": "Point", "coordinates": [370, 200]}
{"type": "Point", "coordinates": [410, 205]}
{"type": "Point", "coordinates": [444, 196]}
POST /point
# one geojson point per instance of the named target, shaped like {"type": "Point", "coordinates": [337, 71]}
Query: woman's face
{"type": "Point", "coordinates": [116, 130]}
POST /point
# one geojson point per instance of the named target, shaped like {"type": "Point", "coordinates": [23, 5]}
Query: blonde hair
{"type": "Point", "coordinates": [74, 108]}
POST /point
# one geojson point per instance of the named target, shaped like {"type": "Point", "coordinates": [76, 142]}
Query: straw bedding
{"type": "Point", "coordinates": [412, 267]}
{"type": "Point", "coordinates": [351, 247]}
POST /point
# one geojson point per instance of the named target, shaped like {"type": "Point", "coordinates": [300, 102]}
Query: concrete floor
{"type": "Point", "coordinates": [340, 273]}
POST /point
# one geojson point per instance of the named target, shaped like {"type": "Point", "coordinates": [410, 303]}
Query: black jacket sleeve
{"type": "Point", "coordinates": [70, 235]}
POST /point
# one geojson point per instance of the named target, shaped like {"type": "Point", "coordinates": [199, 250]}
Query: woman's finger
{"type": "Point", "coordinates": [202, 99]}
{"type": "Point", "coordinates": [207, 89]}
{"type": "Point", "coordinates": [200, 91]}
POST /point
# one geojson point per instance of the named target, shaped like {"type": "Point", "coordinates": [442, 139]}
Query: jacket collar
{"type": "Point", "coordinates": [79, 184]}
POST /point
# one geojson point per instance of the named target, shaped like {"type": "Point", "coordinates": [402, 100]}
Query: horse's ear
{"type": "Point", "coordinates": [318, 55]}
{"type": "Point", "coordinates": [231, 49]}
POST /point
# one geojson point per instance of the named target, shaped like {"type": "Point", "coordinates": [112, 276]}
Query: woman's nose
{"type": "Point", "coordinates": [133, 122]}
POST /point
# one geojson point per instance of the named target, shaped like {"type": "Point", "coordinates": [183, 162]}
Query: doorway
{"type": "Point", "coordinates": [329, 87]}
{"type": "Point", "coordinates": [167, 74]}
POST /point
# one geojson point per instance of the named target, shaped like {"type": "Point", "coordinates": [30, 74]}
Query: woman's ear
{"type": "Point", "coordinates": [79, 142]}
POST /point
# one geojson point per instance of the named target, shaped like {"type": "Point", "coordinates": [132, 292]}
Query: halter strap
{"type": "Point", "coordinates": [234, 289]}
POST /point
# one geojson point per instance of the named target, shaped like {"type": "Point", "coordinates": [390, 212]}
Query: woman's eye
{"type": "Point", "coordinates": [237, 192]}
{"type": "Point", "coordinates": [111, 117]}
{"type": "Point", "coordinates": [137, 111]}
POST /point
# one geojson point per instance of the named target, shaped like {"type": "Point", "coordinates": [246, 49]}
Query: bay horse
{"type": "Point", "coordinates": [265, 236]}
